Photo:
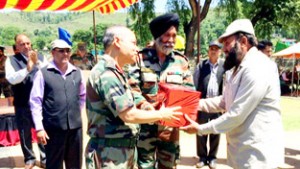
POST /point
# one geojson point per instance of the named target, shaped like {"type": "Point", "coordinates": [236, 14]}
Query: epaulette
{"type": "Point", "coordinates": [148, 53]}
{"type": "Point", "coordinates": [177, 53]}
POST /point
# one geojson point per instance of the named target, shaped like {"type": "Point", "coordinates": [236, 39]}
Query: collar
{"type": "Point", "coordinates": [211, 64]}
{"type": "Point", "coordinates": [25, 57]}
{"type": "Point", "coordinates": [52, 65]}
{"type": "Point", "coordinates": [252, 51]}
{"type": "Point", "coordinates": [111, 63]}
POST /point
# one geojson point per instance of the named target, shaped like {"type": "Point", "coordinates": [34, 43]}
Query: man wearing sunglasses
{"type": "Point", "coordinates": [56, 100]}
{"type": "Point", "coordinates": [20, 69]}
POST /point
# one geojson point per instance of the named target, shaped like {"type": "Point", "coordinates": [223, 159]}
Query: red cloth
{"type": "Point", "coordinates": [9, 135]}
{"type": "Point", "coordinates": [174, 95]}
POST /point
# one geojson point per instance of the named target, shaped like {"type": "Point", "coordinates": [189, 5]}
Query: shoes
{"type": "Point", "coordinates": [29, 166]}
{"type": "Point", "coordinates": [200, 164]}
{"type": "Point", "coordinates": [212, 164]}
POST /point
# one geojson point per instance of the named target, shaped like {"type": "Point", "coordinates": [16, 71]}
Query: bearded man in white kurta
{"type": "Point", "coordinates": [251, 101]}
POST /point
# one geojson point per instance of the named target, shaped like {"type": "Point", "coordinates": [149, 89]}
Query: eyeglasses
{"type": "Point", "coordinates": [63, 50]}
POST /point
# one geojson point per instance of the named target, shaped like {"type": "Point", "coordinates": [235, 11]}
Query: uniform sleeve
{"type": "Point", "coordinates": [188, 80]}
{"type": "Point", "coordinates": [133, 74]}
{"type": "Point", "coordinates": [115, 93]}
{"type": "Point", "coordinates": [196, 75]}
{"type": "Point", "coordinates": [82, 91]}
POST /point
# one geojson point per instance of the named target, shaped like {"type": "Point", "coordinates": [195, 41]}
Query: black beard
{"type": "Point", "coordinates": [231, 60]}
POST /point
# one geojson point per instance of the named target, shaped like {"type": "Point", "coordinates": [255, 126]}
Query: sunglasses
{"type": "Point", "coordinates": [63, 50]}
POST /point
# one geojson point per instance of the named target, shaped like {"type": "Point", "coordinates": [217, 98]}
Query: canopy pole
{"type": "Point", "coordinates": [95, 39]}
{"type": "Point", "coordinates": [293, 73]}
{"type": "Point", "coordinates": [198, 59]}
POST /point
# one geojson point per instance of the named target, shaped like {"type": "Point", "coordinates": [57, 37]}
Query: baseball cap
{"type": "Point", "coordinates": [215, 43]}
{"type": "Point", "coordinates": [58, 43]}
{"type": "Point", "coordinates": [239, 25]}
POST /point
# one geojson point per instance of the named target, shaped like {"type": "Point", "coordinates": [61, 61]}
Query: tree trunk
{"type": "Point", "coordinates": [191, 28]}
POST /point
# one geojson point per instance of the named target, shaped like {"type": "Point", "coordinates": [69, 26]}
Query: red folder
{"type": "Point", "coordinates": [172, 95]}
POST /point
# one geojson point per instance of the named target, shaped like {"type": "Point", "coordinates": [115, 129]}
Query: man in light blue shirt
{"type": "Point", "coordinates": [208, 79]}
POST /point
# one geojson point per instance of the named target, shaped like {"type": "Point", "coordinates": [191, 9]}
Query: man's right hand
{"type": "Point", "coordinates": [170, 113]}
{"type": "Point", "coordinates": [42, 137]}
{"type": "Point", "coordinates": [32, 60]}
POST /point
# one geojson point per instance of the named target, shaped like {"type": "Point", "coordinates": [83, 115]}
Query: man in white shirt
{"type": "Point", "coordinates": [20, 69]}
{"type": "Point", "coordinates": [251, 101]}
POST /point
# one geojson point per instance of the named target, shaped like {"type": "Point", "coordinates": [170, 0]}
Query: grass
{"type": "Point", "coordinates": [290, 110]}
{"type": "Point", "coordinates": [84, 21]}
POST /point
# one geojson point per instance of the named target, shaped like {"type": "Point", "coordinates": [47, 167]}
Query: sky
{"type": "Point", "coordinates": [160, 6]}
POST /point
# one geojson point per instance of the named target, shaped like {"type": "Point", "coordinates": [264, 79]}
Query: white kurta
{"type": "Point", "coordinates": [252, 121]}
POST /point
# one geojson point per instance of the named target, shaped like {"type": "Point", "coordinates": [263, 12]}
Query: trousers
{"type": "Point", "coordinates": [25, 124]}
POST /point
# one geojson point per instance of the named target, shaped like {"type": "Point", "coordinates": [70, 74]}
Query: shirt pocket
{"type": "Point", "coordinates": [149, 80]}
{"type": "Point", "coordinates": [174, 78]}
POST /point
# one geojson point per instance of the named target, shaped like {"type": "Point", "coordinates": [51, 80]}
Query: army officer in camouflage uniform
{"type": "Point", "coordinates": [111, 111]}
{"type": "Point", "coordinates": [159, 64]}
{"type": "Point", "coordinates": [82, 58]}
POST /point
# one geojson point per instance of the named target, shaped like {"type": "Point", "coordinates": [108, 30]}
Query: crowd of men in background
{"type": "Point", "coordinates": [122, 102]}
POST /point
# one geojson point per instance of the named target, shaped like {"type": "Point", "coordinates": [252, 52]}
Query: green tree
{"type": "Point", "coordinates": [190, 19]}
{"type": "Point", "coordinates": [82, 36]}
{"type": "Point", "coordinates": [141, 14]}
{"type": "Point", "coordinates": [8, 34]}
{"type": "Point", "coordinates": [268, 16]}
{"type": "Point", "coordinates": [40, 43]}
{"type": "Point", "coordinates": [100, 28]}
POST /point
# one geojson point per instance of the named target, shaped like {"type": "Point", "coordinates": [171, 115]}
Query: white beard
{"type": "Point", "coordinates": [165, 48]}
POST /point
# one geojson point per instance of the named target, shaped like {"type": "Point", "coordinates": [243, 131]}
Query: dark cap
{"type": "Point", "coordinates": [2, 47]}
{"type": "Point", "coordinates": [162, 23]}
{"type": "Point", "coordinates": [215, 43]}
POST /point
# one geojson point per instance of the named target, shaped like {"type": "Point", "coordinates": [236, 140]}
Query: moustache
{"type": "Point", "coordinates": [169, 45]}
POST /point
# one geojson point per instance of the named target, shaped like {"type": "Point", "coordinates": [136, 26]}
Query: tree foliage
{"type": "Point", "coordinates": [268, 16]}
{"type": "Point", "coordinates": [82, 36]}
{"type": "Point", "coordinates": [100, 29]}
{"type": "Point", "coordinates": [8, 34]}
{"type": "Point", "coordinates": [141, 14]}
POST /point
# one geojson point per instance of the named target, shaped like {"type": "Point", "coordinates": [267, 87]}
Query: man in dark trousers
{"type": "Point", "coordinates": [20, 70]}
{"type": "Point", "coordinates": [208, 78]}
{"type": "Point", "coordinates": [56, 100]}
{"type": "Point", "coordinates": [5, 87]}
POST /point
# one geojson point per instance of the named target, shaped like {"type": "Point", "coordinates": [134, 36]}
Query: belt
{"type": "Point", "coordinates": [116, 142]}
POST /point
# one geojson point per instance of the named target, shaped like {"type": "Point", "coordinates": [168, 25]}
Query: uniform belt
{"type": "Point", "coordinates": [116, 142]}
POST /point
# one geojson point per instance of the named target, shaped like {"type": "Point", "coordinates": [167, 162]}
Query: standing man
{"type": "Point", "coordinates": [82, 58]}
{"type": "Point", "coordinates": [111, 111]}
{"type": "Point", "coordinates": [5, 88]}
{"type": "Point", "coordinates": [56, 100]}
{"type": "Point", "coordinates": [20, 69]}
{"type": "Point", "coordinates": [208, 79]}
{"type": "Point", "coordinates": [251, 100]}
{"type": "Point", "coordinates": [266, 47]}
{"type": "Point", "coordinates": [159, 63]}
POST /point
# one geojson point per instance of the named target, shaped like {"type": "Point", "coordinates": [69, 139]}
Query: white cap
{"type": "Point", "coordinates": [58, 43]}
{"type": "Point", "coordinates": [239, 25]}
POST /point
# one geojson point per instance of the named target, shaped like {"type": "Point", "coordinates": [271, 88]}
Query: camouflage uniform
{"type": "Point", "coordinates": [5, 88]}
{"type": "Point", "coordinates": [86, 62]}
{"type": "Point", "coordinates": [112, 143]}
{"type": "Point", "coordinates": [144, 78]}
